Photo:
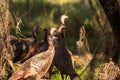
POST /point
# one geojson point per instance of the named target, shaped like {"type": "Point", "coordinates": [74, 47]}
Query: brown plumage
{"type": "Point", "coordinates": [31, 53]}
{"type": "Point", "coordinates": [21, 46]}
{"type": "Point", "coordinates": [63, 60]}
{"type": "Point", "coordinates": [43, 45]}
{"type": "Point", "coordinates": [32, 39]}
{"type": "Point", "coordinates": [37, 48]}
{"type": "Point", "coordinates": [38, 64]}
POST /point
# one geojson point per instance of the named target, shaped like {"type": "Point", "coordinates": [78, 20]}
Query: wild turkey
{"type": "Point", "coordinates": [32, 39]}
{"type": "Point", "coordinates": [21, 46]}
{"type": "Point", "coordinates": [62, 59]}
{"type": "Point", "coordinates": [57, 32]}
{"type": "Point", "coordinates": [38, 64]}
{"type": "Point", "coordinates": [43, 45]}
{"type": "Point", "coordinates": [37, 48]}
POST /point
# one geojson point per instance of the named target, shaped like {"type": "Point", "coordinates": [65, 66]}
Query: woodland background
{"type": "Point", "coordinates": [99, 17]}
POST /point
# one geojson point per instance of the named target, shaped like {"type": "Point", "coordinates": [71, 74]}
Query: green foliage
{"type": "Point", "coordinates": [71, 44]}
{"type": "Point", "coordinates": [57, 75]}
{"type": "Point", "coordinates": [46, 14]}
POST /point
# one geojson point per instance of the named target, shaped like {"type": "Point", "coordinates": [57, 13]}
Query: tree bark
{"type": "Point", "coordinates": [5, 47]}
{"type": "Point", "coordinates": [112, 10]}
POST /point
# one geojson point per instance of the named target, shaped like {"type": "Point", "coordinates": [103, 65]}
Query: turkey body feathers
{"type": "Point", "coordinates": [37, 48]}
{"type": "Point", "coordinates": [62, 59]}
{"type": "Point", "coordinates": [39, 63]}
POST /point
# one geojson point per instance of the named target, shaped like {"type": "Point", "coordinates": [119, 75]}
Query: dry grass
{"type": "Point", "coordinates": [109, 72]}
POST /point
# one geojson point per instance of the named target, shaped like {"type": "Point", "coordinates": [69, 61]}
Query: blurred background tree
{"type": "Point", "coordinates": [112, 10]}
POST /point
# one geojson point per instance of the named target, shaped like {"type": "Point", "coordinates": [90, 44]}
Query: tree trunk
{"type": "Point", "coordinates": [5, 47]}
{"type": "Point", "coordinates": [112, 10]}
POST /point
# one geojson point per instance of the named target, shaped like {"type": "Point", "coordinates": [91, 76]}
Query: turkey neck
{"type": "Point", "coordinates": [34, 36]}
{"type": "Point", "coordinates": [51, 46]}
{"type": "Point", "coordinates": [62, 20]}
{"type": "Point", "coordinates": [62, 24]}
{"type": "Point", "coordinates": [61, 41]}
{"type": "Point", "coordinates": [60, 28]}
